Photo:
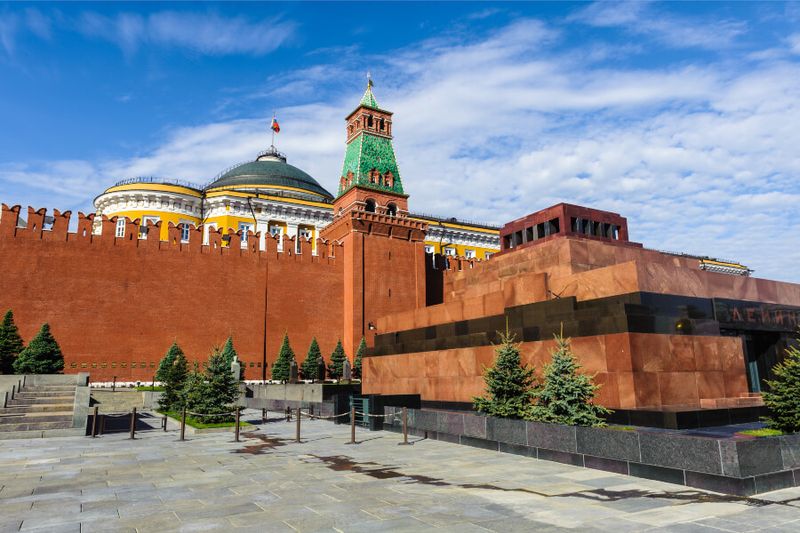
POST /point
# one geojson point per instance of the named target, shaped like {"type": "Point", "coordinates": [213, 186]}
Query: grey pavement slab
{"type": "Point", "coordinates": [268, 482]}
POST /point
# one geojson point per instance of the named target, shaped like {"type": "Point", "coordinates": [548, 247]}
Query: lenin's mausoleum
{"type": "Point", "coordinates": [265, 250]}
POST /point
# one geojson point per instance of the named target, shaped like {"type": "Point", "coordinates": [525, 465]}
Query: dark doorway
{"type": "Point", "coordinates": [762, 351]}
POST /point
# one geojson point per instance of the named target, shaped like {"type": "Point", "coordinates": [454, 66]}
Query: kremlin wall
{"type": "Point", "coordinates": [265, 250]}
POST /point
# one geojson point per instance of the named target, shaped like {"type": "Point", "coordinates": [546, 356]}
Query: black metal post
{"type": "Point", "coordinates": [352, 425]}
{"type": "Point", "coordinates": [133, 423]}
{"type": "Point", "coordinates": [183, 424]}
{"type": "Point", "coordinates": [237, 423]}
{"type": "Point", "coordinates": [94, 422]}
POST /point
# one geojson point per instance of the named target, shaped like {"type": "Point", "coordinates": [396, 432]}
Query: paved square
{"type": "Point", "coordinates": [269, 483]}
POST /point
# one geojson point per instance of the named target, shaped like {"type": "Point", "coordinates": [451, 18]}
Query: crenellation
{"type": "Point", "coordinates": [9, 218]}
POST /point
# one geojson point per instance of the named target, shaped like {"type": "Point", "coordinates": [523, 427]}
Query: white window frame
{"type": "Point", "coordinates": [469, 253]}
{"type": "Point", "coordinates": [120, 230]}
{"type": "Point", "coordinates": [429, 249]}
{"type": "Point", "coordinates": [450, 252]}
{"type": "Point", "coordinates": [487, 255]}
{"type": "Point", "coordinates": [185, 230]}
{"type": "Point", "coordinates": [244, 227]}
{"type": "Point", "coordinates": [143, 228]}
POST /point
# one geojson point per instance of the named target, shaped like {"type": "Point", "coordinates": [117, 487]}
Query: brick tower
{"type": "Point", "coordinates": [384, 263]}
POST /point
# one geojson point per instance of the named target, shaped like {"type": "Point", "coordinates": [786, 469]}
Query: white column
{"type": "Point", "coordinates": [291, 231]}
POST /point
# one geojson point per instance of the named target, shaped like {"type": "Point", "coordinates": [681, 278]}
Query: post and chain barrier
{"type": "Point", "coordinates": [237, 416]}
{"type": "Point", "coordinates": [98, 421]}
{"type": "Point", "coordinates": [352, 414]}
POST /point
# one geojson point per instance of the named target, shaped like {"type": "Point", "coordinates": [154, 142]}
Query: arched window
{"type": "Point", "coordinates": [381, 124]}
{"type": "Point", "coordinates": [369, 121]}
{"type": "Point", "coordinates": [391, 210]}
{"type": "Point", "coordinates": [369, 206]}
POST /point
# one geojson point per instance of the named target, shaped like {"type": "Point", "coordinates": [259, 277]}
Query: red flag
{"type": "Point", "coordinates": [275, 126]}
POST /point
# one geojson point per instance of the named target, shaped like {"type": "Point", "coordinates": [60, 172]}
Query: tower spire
{"type": "Point", "coordinates": [369, 160]}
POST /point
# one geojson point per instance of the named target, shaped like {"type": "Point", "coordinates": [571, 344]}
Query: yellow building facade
{"type": "Point", "coordinates": [267, 196]}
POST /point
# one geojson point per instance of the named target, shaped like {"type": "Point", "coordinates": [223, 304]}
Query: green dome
{"type": "Point", "coordinates": [269, 170]}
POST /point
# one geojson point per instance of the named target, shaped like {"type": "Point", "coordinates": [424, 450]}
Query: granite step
{"type": "Point", "coordinates": [37, 408]}
{"type": "Point", "coordinates": [17, 418]}
{"type": "Point", "coordinates": [46, 400]}
{"type": "Point", "coordinates": [48, 388]}
{"type": "Point", "coordinates": [44, 393]}
{"type": "Point", "coordinates": [36, 426]}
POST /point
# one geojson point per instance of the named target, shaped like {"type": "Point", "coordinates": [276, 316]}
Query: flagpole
{"type": "Point", "coordinates": [273, 129]}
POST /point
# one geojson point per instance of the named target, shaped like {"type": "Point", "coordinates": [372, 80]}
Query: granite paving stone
{"type": "Point", "coordinates": [267, 482]}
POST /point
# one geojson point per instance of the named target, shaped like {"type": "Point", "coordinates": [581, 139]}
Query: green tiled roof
{"type": "Point", "coordinates": [369, 99]}
{"type": "Point", "coordinates": [367, 152]}
{"type": "Point", "coordinates": [266, 173]}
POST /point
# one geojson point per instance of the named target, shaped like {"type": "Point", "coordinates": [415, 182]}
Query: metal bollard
{"type": "Point", "coordinates": [264, 415]}
{"type": "Point", "coordinates": [352, 425]}
{"type": "Point", "coordinates": [13, 388]}
{"type": "Point", "coordinates": [183, 424]}
{"type": "Point", "coordinates": [297, 435]}
{"type": "Point", "coordinates": [114, 385]}
{"type": "Point", "coordinates": [405, 426]}
{"type": "Point", "coordinates": [237, 424]}
{"type": "Point", "coordinates": [164, 423]}
{"type": "Point", "coordinates": [133, 423]}
{"type": "Point", "coordinates": [288, 414]}
{"type": "Point", "coordinates": [94, 422]}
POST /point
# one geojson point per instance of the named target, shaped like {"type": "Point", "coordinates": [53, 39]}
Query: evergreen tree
{"type": "Point", "coordinates": [567, 396]}
{"type": "Point", "coordinates": [166, 362]}
{"type": "Point", "coordinates": [173, 378]}
{"type": "Point", "coordinates": [783, 398]}
{"type": "Point", "coordinates": [309, 367]}
{"type": "Point", "coordinates": [336, 366]}
{"type": "Point", "coordinates": [10, 343]}
{"type": "Point", "coordinates": [42, 356]}
{"type": "Point", "coordinates": [195, 390]}
{"type": "Point", "coordinates": [223, 388]}
{"type": "Point", "coordinates": [510, 386]}
{"type": "Point", "coordinates": [362, 347]}
{"type": "Point", "coordinates": [280, 368]}
{"type": "Point", "coordinates": [230, 354]}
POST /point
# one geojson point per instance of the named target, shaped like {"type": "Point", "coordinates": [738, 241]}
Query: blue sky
{"type": "Point", "coordinates": [681, 116]}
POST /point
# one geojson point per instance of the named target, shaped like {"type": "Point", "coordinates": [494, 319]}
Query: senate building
{"type": "Point", "coordinates": [270, 196]}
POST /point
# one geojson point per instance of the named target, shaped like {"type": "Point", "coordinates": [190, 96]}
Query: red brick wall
{"type": "Point", "coordinates": [114, 304]}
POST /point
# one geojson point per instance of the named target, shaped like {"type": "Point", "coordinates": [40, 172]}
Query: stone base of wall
{"type": "Point", "coordinates": [740, 466]}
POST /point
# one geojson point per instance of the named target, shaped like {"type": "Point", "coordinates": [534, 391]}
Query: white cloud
{"type": "Point", "coordinates": [9, 24]}
{"type": "Point", "coordinates": [205, 33]}
{"type": "Point", "coordinates": [679, 32]}
{"type": "Point", "coordinates": [794, 43]}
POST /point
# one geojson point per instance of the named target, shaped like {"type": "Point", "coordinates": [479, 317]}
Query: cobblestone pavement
{"type": "Point", "coordinates": [269, 483]}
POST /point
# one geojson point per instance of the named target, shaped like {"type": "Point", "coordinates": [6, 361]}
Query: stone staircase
{"type": "Point", "coordinates": [39, 408]}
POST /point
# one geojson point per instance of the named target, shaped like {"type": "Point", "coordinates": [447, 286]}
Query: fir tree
{"type": "Point", "coordinates": [310, 366]}
{"type": "Point", "coordinates": [336, 366]}
{"type": "Point", "coordinates": [223, 388]}
{"type": "Point", "coordinates": [230, 354]}
{"type": "Point", "coordinates": [166, 362]}
{"type": "Point", "coordinates": [10, 343]}
{"type": "Point", "coordinates": [42, 356]}
{"type": "Point", "coordinates": [567, 396]}
{"type": "Point", "coordinates": [362, 347]}
{"type": "Point", "coordinates": [281, 366]}
{"type": "Point", "coordinates": [783, 398]}
{"type": "Point", "coordinates": [173, 378]}
{"type": "Point", "coordinates": [195, 390]}
{"type": "Point", "coordinates": [510, 386]}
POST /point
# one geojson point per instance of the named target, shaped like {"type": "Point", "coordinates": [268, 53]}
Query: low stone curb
{"type": "Point", "coordinates": [737, 466]}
